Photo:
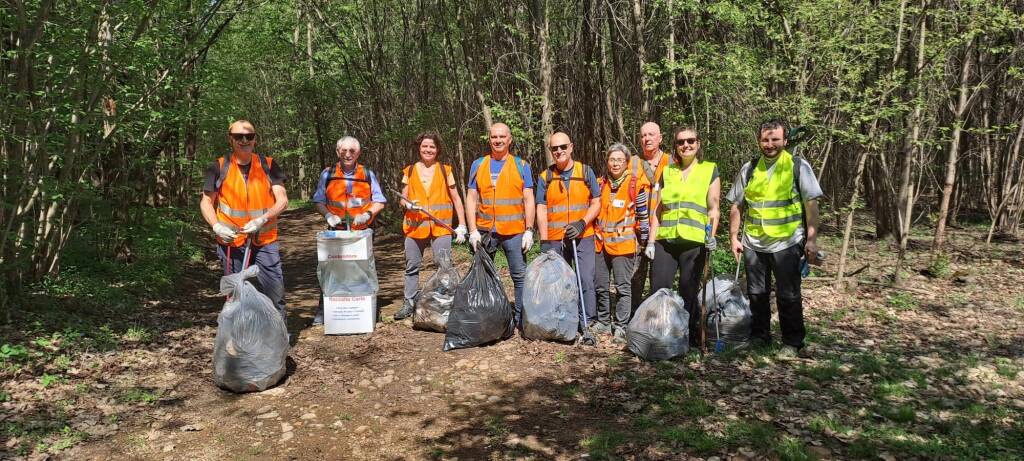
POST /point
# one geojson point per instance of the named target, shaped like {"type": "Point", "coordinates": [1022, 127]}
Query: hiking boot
{"type": "Point", "coordinates": [600, 328]}
{"type": "Point", "coordinates": [619, 336]}
{"type": "Point", "coordinates": [787, 353]}
{"type": "Point", "coordinates": [406, 311]}
{"type": "Point", "coordinates": [318, 320]}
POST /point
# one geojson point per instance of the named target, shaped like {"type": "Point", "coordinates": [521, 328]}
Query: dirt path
{"type": "Point", "coordinates": [396, 395]}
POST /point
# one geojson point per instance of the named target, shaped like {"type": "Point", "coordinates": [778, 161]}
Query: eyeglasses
{"type": "Point", "coordinates": [691, 141]}
{"type": "Point", "coordinates": [243, 136]}
{"type": "Point", "coordinates": [559, 147]}
{"type": "Point", "coordinates": [616, 160]}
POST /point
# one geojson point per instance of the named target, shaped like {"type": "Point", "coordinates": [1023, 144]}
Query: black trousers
{"type": "Point", "coordinates": [685, 258]}
{"type": "Point", "coordinates": [785, 265]}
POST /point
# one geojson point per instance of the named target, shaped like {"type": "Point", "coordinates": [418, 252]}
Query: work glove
{"type": "Point", "coordinates": [253, 225]}
{"type": "Point", "coordinates": [574, 229]}
{"type": "Point", "coordinates": [474, 239]}
{"type": "Point", "coordinates": [460, 234]}
{"type": "Point", "coordinates": [710, 243]}
{"type": "Point", "coordinates": [527, 239]}
{"type": "Point", "coordinates": [361, 219]}
{"type": "Point", "coordinates": [412, 205]}
{"type": "Point", "coordinates": [649, 251]}
{"type": "Point", "coordinates": [224, 232]}
{"type": "Point", "coordinates": [333, 220]}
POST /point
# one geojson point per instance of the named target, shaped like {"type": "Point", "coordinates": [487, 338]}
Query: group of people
{"type": "Point", "coordinates": [650, 217]}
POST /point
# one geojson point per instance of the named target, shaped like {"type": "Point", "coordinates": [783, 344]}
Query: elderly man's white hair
{"type": "Point", "coordinates": [349, 139]}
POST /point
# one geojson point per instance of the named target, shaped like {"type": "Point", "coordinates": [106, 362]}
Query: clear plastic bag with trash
{"type": "Point", "coordinates": [345, 264]}
{"type": "Point", "coordinates": [729, 316]}
{"type": "Point", "coordinates": [659, 329]}
{"type": "Point", "coordinates": [481, 313]}
{"type": "Point", "coordinates": [550, 299]}
{"type": "Point", "coordinates": [434, 301]}
{"type": "Point", "coordinates": [251, 346]}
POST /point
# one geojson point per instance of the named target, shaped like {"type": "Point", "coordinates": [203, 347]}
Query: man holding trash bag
{"type": "Point", "coordinates": [348, 195]}
{"type": "Point", "coordinates": [243, 193]}
{"type": "Point", "coordinates": [568, 201]}
{"type": "Point", "coordinates": [500, 203]}
{"type": "Point", "coordinates": [778, 195]}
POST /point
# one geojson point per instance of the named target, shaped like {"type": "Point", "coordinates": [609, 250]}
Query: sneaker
{"type": "Point", "coordinates": [318, 320]}
{"type": "Point", "coordinates": [787, 353]}
{"type": "Point", "coordinates": [406, 310]}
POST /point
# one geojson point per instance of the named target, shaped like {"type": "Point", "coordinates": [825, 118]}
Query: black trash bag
{"type": "Point", "coordinates": [251, 346]}
{"type": "Point", "coordinates": [434, 302]}
{"type": "Point", "coordinates": [481, 313]}
{"type": "Point", "coordinates": [729, 316]}
{"type": "Point", "coordinates": [660, 328]}
{"type": "Point", "coordinates": [551, 299]}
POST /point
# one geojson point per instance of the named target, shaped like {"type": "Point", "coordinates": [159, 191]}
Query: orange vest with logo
{"type": "Point", "coordinates": [345, 204]}
{"type": "Point", "coordinates": [240, 200]}
{"type": "Point", "coordinates": [435, 201]}
{"type": "Point", "coordinates": [615, 224]}
{"type": "Point", "coordinates": [501, 205]}
{"type": "Point", "coordinates": [566, 206]}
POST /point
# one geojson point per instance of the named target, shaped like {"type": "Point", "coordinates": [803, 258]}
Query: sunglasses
{"type": "Point", "coordinates": [243, 136]}
{"type": "Point", "coordinates": [559, 147]}
{"type": "Point", "coordinates": [680, 142]}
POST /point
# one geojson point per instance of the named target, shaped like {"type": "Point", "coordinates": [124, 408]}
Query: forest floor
{"type": "Point", "coordinates": [931, 371]}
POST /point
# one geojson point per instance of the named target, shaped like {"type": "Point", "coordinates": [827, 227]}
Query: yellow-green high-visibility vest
{"type": "Point", "coordinates": [773, 207]}
{"type": "Point", "coordinates": [685, 202]}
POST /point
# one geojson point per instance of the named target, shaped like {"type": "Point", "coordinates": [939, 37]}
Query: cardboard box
{"type": "Point", "coordinates": [349, 315]}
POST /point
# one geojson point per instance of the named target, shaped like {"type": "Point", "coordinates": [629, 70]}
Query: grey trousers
{"type": "Point", "coordinates": [585, 253]}
{"type": "Point", "coordinates": [270, 280]}
{"type": "Point", "coordinates": [414, 259]}
{"type": "Point", "coordinates": [619, 268]}
{"type": "Point", "coordinates": [641, 275]}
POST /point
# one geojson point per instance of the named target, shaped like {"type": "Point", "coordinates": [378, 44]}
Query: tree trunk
{"type": "Point", "coordinates": [954, 146]}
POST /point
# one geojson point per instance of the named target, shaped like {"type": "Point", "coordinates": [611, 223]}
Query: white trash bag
{"type": "Point", "coordinates": [550, 299]}
{"type": "Point", "coordinates": [251, 346]}
{"type": "Point", "coordinates": [659, 329]}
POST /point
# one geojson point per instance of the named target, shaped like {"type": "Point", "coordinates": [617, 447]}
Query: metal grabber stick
{"type": "Point", "coordinates": [587, 338]}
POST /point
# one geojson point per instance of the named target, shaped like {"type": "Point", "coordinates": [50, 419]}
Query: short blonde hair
{"type": "Point", "coordinates": [242, 123]}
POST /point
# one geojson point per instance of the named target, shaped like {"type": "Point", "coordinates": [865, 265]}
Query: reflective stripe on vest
{"type": "Point", "coordinates": [242, 199]}
{"type": "Point", "coordinates": [773, 207]}
{"type": "Point", "coordinates": [344, 203]}
{"type": "Point", "coordinates": [616, 224]}
{"type": "Point", "coordinates": [436, 201]}
{"type": "Point", "coordinates": [566, 206]}
{"type": "Point", "coordinates": [685, 202]}
{"type": "Point", "coordinates": [501, 207]}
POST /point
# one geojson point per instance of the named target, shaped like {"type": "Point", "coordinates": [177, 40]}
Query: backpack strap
{"type": "Point", "coordinates": [335, 177]}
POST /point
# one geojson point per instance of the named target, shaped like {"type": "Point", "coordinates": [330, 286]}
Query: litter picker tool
{"type": "Point", "coordinates": [709, 274]}
{"type": "Point", "coordinates": [425, 212]}
{"type": "Point", "coordinates": [587, 339]}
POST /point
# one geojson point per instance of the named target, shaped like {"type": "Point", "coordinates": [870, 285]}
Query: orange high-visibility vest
{"type": "Point", "coordinates": [345, 204]}
{"type": "Point", "coordinates": [436, 201]}
{"type": "Point", "coordinates": [615, 224]}
{"type": "Point", "coordinates": [240, 200]}
{"type": "Point", "coordinates": [566, 206]}
{"type": "Point", "coordinates": [501, 205]}
{"type": "Point", "coordinates": [646, 182]}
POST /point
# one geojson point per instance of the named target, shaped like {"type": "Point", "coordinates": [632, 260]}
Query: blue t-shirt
{"type": "Point", "coordinates": [320, 196]}
{"type": "Point", "coordinates": [588, 176]}
{"type": "Point", "coordinates": [496, 166]}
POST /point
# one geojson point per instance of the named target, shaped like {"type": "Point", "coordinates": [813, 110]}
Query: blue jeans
{"type": "Point", "coordinates": [270, 280]}
{"type": "Point", "coordinates": [585, 254]}
{"type": "Point", "coordinates": [512, 246]}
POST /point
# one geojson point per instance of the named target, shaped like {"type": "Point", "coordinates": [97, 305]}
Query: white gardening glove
{"type": "Point", "coordinates": [710, 243]}
{"type": "Point", "coordinates": [474, 239]}
{"type": "Point", "coordinates": [527, 240]}
{"type": "Point", "coordinates": [460, 234]}
{"type": "Point", "coordinates": [224, 232]}
{"type": "Point", "coordinates": [333, 220]}
{"type": "Point", "coordinates": [412, 205]}
{"type": "Point", "coordinates": [649, 251]}
{"type": "Point", "coordinates": [361, 219]}
{"type": "Point", "coordinates": [253, 225]}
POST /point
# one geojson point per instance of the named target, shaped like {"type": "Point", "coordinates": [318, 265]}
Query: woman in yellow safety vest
{"type": "Point", "coordinates": [430, 185]}
{"type": "Point", "coordinates": [689, 204]}
{"type": "Point", "coordinates": [616, 241]}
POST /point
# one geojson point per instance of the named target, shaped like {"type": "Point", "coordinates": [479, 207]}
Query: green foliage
{"type": "Point", "coordinates": [902, 301]}
{"type": "Point", "coordinates": [939, 266]}
{"type": "Point", "coordinates": [602, 445]}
